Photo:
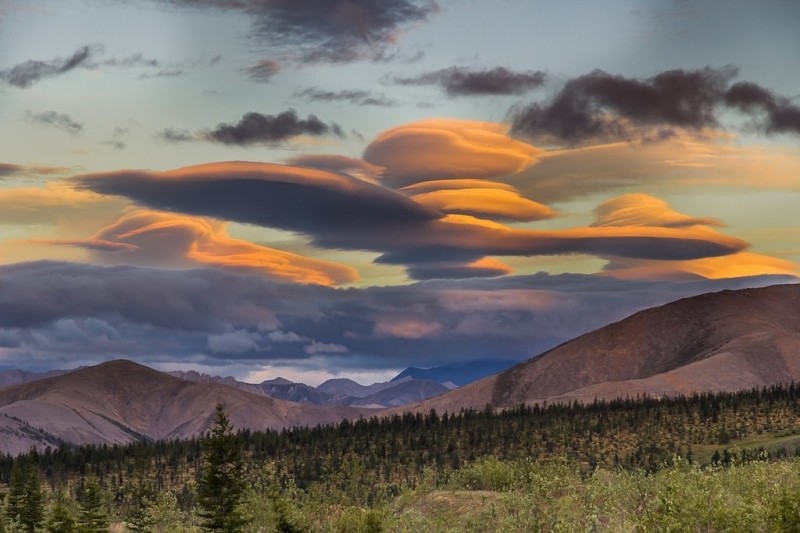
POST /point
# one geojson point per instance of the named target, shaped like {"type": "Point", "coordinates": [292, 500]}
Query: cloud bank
{"type": "Point", "coordinates": [67, 314]}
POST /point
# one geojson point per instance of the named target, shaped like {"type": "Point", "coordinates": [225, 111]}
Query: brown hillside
{"type": "Point", "coordinates": [723, 341]}
{"type": "Point", "coordinates": [120, 401]}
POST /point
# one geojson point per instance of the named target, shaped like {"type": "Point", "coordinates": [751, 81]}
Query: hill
{"type": "Point", "coordinates": [725, 341]}
{"type": "Point", "coordinates": [121, 401]}
{"type": "Point", "coordinates": [458, 374]}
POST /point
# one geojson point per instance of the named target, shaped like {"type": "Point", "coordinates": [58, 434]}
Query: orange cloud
{"type": "Point", "coordinates": [170, 240]}
{"type": "Point", "coordinates": [731, 266]}
{"type": "Point", "coordinates": [53, 204]}
{"type": "Point", "coordinates": [637, 209]}
{"type": "Point", "coordinates": [448, 148]}
{"type": "Point", "coordinates": [710, 159]}
{"type": "Point", "coordinates": [650, 242]}
{"type": "Point", "coordinates": [489, 202]}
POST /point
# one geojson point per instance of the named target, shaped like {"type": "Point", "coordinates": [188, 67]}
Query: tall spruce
{"type": "Point", "coordinates": [25, 501]}
{"type": "Point", "coordinates": [221, 487]}
{"type": "Point", "coordinates": [61, 520]}
{"type": "Point", "coordinates": [32, 512]}
{"type": "Point", "coordinates": [15, 498]}
{"type": "Point", "coordinates": [93, 516]}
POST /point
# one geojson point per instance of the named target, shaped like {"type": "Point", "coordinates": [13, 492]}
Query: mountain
{"type": "Point", "coordinates": [402, 393]}
{"type": "Point", "coordinates": [296, 392]}
{"type": "Point", "coordinates": [9, 378]}
{"type": "Point", "coordinates": [339, 388]}
{"type": "Point", "coordinates": [458, 374]}
{"type": "Point", "coordinates": [121, 401]}
{"type": "Point", "coordinates": [339, 391]}
{"type": "Point", "coordinates": [725, 341]}
{"type": "Point", "coordinates": [198, 377]}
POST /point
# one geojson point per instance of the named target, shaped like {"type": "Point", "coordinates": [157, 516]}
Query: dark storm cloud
{"type": "Point", "coordinates": [57, 120]}
{"type": "Point", "coordinates": [461, 81]}
{"type": "Point", "coordinates": [602, 105]}
{"type": "Point", "coordinates": [782, 116]}
{"type": "Point", "coordinates": [24, 75]}
{"type": "Point", "coordinates": [83, 313]}
{"type": "Point", "coordinates": [355, 97]}
{"type": "Point", "coordinates": [255, 128]}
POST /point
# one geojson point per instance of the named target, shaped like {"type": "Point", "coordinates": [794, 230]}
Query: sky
{"type": "Point", "coordinates": [345, 188]}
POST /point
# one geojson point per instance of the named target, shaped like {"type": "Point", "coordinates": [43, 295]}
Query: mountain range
{"type": "Point", "coordinates": [724, 341]}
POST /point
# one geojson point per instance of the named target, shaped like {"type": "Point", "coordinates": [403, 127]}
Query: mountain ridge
{"type": "Point", "coordinates": [724, 341]}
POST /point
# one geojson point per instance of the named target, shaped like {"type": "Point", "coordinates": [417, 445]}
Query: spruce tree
{"type": "Point", "coordinates": [32, 511]}
{"type": "Point", "coordinates": [61, 520]}
{"type": "Point", "coordinates": [221, 487]}
{"type": "Point", "coordinates": [15, 498]}
{"type": "Point", "coordinates": [93, 516]}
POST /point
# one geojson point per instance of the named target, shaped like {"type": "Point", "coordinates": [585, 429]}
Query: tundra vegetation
{"type": "Point", "coordinates": [708, 462]}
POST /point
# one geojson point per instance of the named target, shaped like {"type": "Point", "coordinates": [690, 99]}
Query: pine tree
{"type": "Point", "coordinates": [93, 516]}
{"type": "Point", "coordinates": [221, 487]}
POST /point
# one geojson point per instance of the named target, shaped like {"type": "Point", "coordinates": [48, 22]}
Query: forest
{"type": "Point", "coordinates": [706, 462]}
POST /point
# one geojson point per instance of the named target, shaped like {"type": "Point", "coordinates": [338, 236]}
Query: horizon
{"type": "Point", "coordinates": [329, 188]}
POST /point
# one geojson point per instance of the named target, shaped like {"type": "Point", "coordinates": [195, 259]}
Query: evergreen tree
{"type": "Point", "coordinates": [221, 487]}
{"type": "Point", "coordinates": [15, 498]}
{"type": "Point", "coordinates": [61, 520]}
{"type": "Point", "coordinates": [32, 511]}
{"type": "Point", "coordinates": [93, 516]}
{"type": "Point", "coordinates": [25, 501]}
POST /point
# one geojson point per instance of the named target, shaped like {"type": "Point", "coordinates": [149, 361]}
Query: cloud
{"type": "Point", "coordinates": [51, 204]}
{"type": "Point", "coordinates": [150, 238]}
{"type": "Point", "coordinates": [26, 74]}
{"type": "Point", "coordinates": [336, 31]}
{"type": "Point", "coordinates": [285, 336]}
{"type": "Point", "coordinates": [255, 128]}
{"type": "Point", "coordinates": [337, 211]}
{"type": "Point", "coordinates": [326, 31]}
{"type": "Point", "coordinates": [638, 209]}
{"type": "Point", "coordinates": [478, 198]}
{"type": "Point", "coordinates": [117, 140]}
{"type": "Point", "coordinates": [60, 121]}
{"type": "Point", "coordinates": [177, 135]}
{"type": "Point", "coordinates": [332, 207]}
{"type": "Point", "coordinates": [713, 159]}
{"type": "Point", "coordinates": [782, 116]}
{"type": "Point", "coordinates": [461, 81]}
{"type": "Point", "coordinates": [355, 97]}
{"type": "Point", "coordinates": [447, 148]}
{"type": "Point", "coordinates": [600, 105]}
{"type": "Point", "coordinates": [358, 168]}
{"type": "Point", "coordinates": [736, 265]}
{"type": "Point", "coordinates": [9, 169]}
{"type": "Point", "coordinates": [263, 71]}
{"type": "Point", "coordinates": [234, 342]}
{"type": "Point", "coordinates": [316, 348]}
{"type": "Point", "coordinates": [69, 314]}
